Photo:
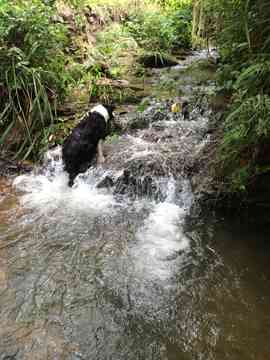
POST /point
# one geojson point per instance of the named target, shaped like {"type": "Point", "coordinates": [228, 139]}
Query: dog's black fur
{"type": "Point", "coordinates": [80, 147]}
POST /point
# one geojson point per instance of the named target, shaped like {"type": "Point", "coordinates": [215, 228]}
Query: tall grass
{"type": "Point", "coordinates": [32, 74]}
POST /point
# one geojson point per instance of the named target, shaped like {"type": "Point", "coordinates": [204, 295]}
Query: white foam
{"type": "Point", "coordinates": [138, 143]}
{"type": "Point", "coordinates": [160, 238]}
{"type": "Point", "coordinates": [50, 190]}
{"type": "Point", "coordinates": [45, 195]}
{"type": "Point", "coordinates": [141, 154]}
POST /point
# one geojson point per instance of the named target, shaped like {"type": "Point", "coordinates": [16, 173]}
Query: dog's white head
{"type": "Point", "coordinates": [102, 111]}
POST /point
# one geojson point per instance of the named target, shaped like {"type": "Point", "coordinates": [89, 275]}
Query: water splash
{"type": "Point", "coordinates": [161, 238]}
{"type": "Point", "coordinates": [49, 189]}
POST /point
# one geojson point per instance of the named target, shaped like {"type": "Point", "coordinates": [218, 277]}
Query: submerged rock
{"type": "Point", "coordinates": [12, 167]}
{"type": "Point", "coordinates": [136, 186]}
{"type": "Point", "coordinates": [106, 182]}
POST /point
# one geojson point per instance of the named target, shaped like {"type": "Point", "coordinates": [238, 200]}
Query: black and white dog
{"type": "Point", "coordinates": [85, 141]}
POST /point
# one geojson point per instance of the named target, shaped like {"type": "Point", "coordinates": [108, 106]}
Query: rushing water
{"type": "Point", "coordinates": [86, 273]}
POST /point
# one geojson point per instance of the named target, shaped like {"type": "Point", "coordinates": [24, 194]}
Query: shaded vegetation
{"type": "Point", "coordinates": [240, 29]}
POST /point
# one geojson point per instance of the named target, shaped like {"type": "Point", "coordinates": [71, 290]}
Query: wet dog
{"type": "Point", "coordinates": [85, 141]}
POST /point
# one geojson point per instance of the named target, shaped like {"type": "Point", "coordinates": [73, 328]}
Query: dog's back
{"type": "Point", "coordinates": [80, 146]}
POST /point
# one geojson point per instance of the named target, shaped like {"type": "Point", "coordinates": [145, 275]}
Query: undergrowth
{"type": "Point", "coordinates": [244, 74]}
{"type": "Point", "coordinates": [32, 76]}
{"type": "Point", "coordinates": [246, 132]}
{"type": "Point", "coordinates": [162, 30]}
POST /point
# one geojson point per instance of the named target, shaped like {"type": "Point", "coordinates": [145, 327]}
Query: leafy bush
{"type": "Point", "coordinates": [241, 30]}
{"type": "Point", "coordinates": [152, 31]}
{"type": "Point", "coordinates": [255, 78]}
{"type": "Point", "coordinates": [247, 128]}
{"type": "Point", "coordinates": [32, 73]}
{"type": "Point", "coordinates": [182, 23]}
{"type": "Point", "coordinates": [162, 30]}
{"type": "Point", "coordinates": [180, 11]}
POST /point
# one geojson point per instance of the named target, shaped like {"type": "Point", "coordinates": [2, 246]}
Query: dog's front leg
{"type": "Point", "coordinates": [100, 157]}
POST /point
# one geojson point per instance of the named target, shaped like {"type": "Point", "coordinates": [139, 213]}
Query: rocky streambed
{"type": "Point", "coordinates": [115, 268]}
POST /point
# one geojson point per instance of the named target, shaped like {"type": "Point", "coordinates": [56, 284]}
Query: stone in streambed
{"type": "Point", "coordinates": [157, 61]}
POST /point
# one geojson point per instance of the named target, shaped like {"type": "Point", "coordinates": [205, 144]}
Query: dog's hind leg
{"type": "Point", "coordinates": [100, 156]}
{"type": "Point", "coordinates": [71, 179]}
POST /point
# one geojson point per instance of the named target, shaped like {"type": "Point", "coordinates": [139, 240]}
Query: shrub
{"type": "Point", "coordinates": [247, 129]}
{"type": "Point", "coordinates": [153, 31]}
{"type": "Point", "coordinates": [242, 34]}
{"type": "Point", "coordinates": [32, 73]}
{"type": "Point", "coordinates": [255, 78]}
{"type": "Point", "coordinates": [182, 20]}
{"type": "Point", "coordinates": [162, 30]}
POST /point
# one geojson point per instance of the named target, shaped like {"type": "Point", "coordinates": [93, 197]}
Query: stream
{"type": "Point", "coordinates": [126, 271]}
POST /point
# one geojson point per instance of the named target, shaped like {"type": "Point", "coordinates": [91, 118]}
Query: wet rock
{"type": "Point", "coordinates": [11, 356]}
{"type": "Point", "coordinates": [139, 122]}
{"type": "Point", "coordinates": [123, 182]}
{"type": "Point", "coordinates": [155, 113]}
{"type": "Point", "coordinates": [11, 167]}
{"type": "Point", "coordinates": [136, 186]}
{"type": "Point", "coordinates": [156, 61]}
{"type": "Point", "coordinates": [106, 182]}
{"type": "Point", "coordinates": [166, 144]}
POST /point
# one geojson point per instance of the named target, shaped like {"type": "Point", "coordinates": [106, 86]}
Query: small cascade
{"type": "Point", "coordinates": [165, 202]}
{"type": "Point", "coordinates": [161, 238]}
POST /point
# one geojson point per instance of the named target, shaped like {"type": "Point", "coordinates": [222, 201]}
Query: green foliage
{"type": "Point", "coordinates": [162, 30]}
{"type": "Point", "coordinates": [180, 13]}
{"type": "Point", "coordinates": [246, 128]}
{"type": "Point", "coordinates": [255, 78]}
{"type": "Point", "coordinates": [32, 73]}
{"type": "Point", "coordinates": [29, 28]}
{"type": "Point", "coordinates": [26, 108]}
{"type": "Point", "coordinates": [112, 42]}
{"type": "Point", "coordinates": [248, 122]}
{"type": "Point", "coordinates": [152, 31]}
{"type": "Point", "coordinates": [241, 30]}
